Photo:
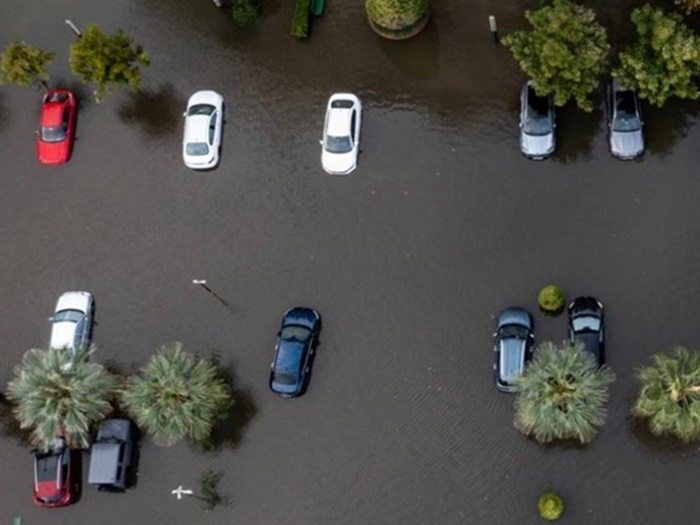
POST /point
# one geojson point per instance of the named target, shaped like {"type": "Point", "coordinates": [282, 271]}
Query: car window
{"type": "Point", "coordinates": [196, 149]}
{"type": "Point", "coordinates": [585, 323]}
{"type": "Point", "coordinates": [353, 120]}
{"type": "Point", "coordinates": [200, 109]}
{"type": "Point", "coordinates": [67, 316]}
{"type": "Point", "coordinates": [513, 330]}
{"type": "Point", "coordinates": [626, 117]}
{"type": "Point", "coordinates": [53, 133]}
{"type": "Point", "coordinates": [285, 378]}
{"type": "Point", "coordinates": [338, 144]}
{"type": "Point", "coordinates": [300, 334]}
{"type": "Point", "coordinates": [212, 128]}
{"type": "Point", "coordinates": [79, 333]}
{"type": "Point", "coordinates": [66, 116]}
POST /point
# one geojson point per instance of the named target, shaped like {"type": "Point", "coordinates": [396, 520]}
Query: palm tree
{"type": "Point", "coordinates": [562, 394]}
{"type": "Point", "coordinates": [670, 394]}
{"type": "Point", "coordinates": [398, 19]}
{"type": "Point", "coordinates": [177, 395]}
{"type": "Point", "coordinates": [56, 393]}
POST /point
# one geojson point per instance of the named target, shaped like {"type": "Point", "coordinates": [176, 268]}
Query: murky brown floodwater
{"type": "Point", "coordinates": [409, 260]}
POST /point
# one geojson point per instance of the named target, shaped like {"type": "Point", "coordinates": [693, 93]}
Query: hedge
{"type": "Point", "coordinates": [300, 20]}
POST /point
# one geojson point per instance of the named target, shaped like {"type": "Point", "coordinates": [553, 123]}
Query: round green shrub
{"type": "Point", "coordinates": [551, 506]}
{"type": "Point", "coordinates": [398, 19]}
{"type": "Point", "coordinates": [551, 300]}
{"type": "Point", "coordinates": [245, 12]}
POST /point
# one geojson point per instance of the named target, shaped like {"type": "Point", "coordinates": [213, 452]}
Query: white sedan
{"type": "Point", "coordinates": [71, 324]}
{"type": "Point", "coordinates": [341, 134]}
{"type": "Point", "coordinates": [201, 144]}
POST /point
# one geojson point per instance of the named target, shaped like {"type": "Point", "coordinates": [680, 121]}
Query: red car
{"type": "Point", "coordinates": [55, 475]}
{"type": "Point", "coordinates": [56, 126]}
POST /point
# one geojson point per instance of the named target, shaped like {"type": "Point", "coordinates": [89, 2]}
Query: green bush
{"type": "Point", "coordinates": [551, 300]}
{"type": "Point", "coordinates": [244, 12]}
{"type": "Point", "coordinates": [551, 506]}
{"type": "Point", "coordinates": [300, 19]}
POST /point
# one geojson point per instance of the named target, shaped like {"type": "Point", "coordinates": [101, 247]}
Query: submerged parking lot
{"type": "Point", "coordinates": [409, 260]}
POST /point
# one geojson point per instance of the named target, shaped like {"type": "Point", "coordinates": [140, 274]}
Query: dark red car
{"type": "Point", "coordinates": [59, 109]}
{"type": "Point", "coordinates": [55, 475]}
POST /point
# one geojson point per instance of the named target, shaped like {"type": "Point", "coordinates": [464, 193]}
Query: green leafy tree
{"type": "Point", "coordinates": [564, 53]}
{"type": "Point", "coordinates": [669, 398]}
{"type": "Point", "coordinates": [107, 60]}
{"type": "Point", "coordinates": [562, 394]}
{"type": "Point", "coordinates": [665, 60]}
{"type": "Point", "coordinates": [24, 64]}
{"type": "Point", "coordinates": [245, 12]}
{"type": "Point", "coordinates": [177, 395]}
{"type": "Point", "coordinates": [397, 18]}
{"type": "Point", "coordinates": [56, 393]}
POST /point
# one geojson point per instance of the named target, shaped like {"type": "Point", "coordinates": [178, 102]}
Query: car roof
{"type": "Point", "coordinates": [289, 356]}
{"type": "Point", "coordinates": [512, 359]}
{"type": "Point", "coordinates": [339, 121]}
{"type": "Point", "coordinates": [52, 114]}
{"type": "Point", "coordinates": [197, 128]}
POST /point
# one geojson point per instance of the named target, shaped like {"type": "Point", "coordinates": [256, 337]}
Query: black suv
{"type": "Point", "coordinates": [587, 325]}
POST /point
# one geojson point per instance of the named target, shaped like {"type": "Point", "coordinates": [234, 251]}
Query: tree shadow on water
{"type": "Point", "coordinates": [664, 127]}
{"type": "Point", "coordinates": [668, 446]}
{"type": "Point", "coordinates": [576, 130]}
{"type": "Point", "coordinates": [228, 432]}
{"type": "Point", "coordinates": [10, 425]}
{"type": "Point", "coordinates": [156, 112]}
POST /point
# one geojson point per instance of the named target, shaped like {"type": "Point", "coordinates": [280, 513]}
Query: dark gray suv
{"type": "Point", "coordinates": [111, 455]}
{"type": "Point", "coordinates": [513, 342]}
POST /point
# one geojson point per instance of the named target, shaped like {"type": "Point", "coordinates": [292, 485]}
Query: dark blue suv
{"type": "Point", "coordinates": [296, 342]}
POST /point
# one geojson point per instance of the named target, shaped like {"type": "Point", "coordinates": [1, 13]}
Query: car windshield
{"type": "Point", "coordinates": [338, 144]}
{"type": "Point", "coordinates": [53, 133]}
{"type": "Point", "coordinates": [513, 330]}
{"type": "Point", "coordinates": [586, 323]}
{"type": "Point", "coordinates": [285, 378]}
{"type": "Point", "coordinates": [296, 333]}
{"type": "Point", "coordinates": [200, 109]}
{"type": "Point", "coordinates": [196, 149]}
{"type": "Point", "coordinates": [626, 118]}
{"type": "Point", "coordinates": [538, 125]}
{"type": "Point", "coordinates": [67, 316]}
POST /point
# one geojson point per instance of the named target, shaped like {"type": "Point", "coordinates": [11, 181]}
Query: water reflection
{"type": "Point", "coordinates": [576, 131]}
{"type": "Point", "coordinates": [664, 127]}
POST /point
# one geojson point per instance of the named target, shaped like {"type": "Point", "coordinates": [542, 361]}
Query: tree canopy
{"type": "Point", "coordinates": [107, 60]}
{"type": "Point", "coordinates": [56, 393]}
{"type": "Point", "coordinates": [562, 394]}
{"type": "Point", "coordinates": [669, 397]}
{"type": "Point", "coordinates": [24, 64]}
{"type": "Point", "coordinates": [564, 53]}
{"type": "Point", "coordinates": [177, 395]}
{"type": "Point", "coordinates": [665, 60]}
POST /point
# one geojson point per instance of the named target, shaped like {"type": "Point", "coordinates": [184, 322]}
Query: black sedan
{"type": "Point", "coordinates": [513, 342]}
{"type": "Point", "coordinates": [296, 343]}
{"type": "Point", "coordinates": [587, 325]}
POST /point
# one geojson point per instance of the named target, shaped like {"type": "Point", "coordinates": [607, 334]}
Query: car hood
{"type": "Point", "coordinates": [338, 163]}
{"type": "Point", "coordinates": [537, 145]}
{"type": "Point", "coordinates": [52, 152]}
{"type": "Point", "coordinates": [626, 144]}
{"type": "Point", "coordinates": [63, 335]}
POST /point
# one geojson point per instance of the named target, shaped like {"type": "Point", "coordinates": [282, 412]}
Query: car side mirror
{"type": "Point", "coordinates": [184, 114]}
{"type": "Point", "coordinates": [321, 142]}
{"type": "Point", "coordinates": [51, 318]}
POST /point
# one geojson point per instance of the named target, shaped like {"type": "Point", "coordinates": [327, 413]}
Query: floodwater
{"type": "Point", "coordinates": [409, 260]}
